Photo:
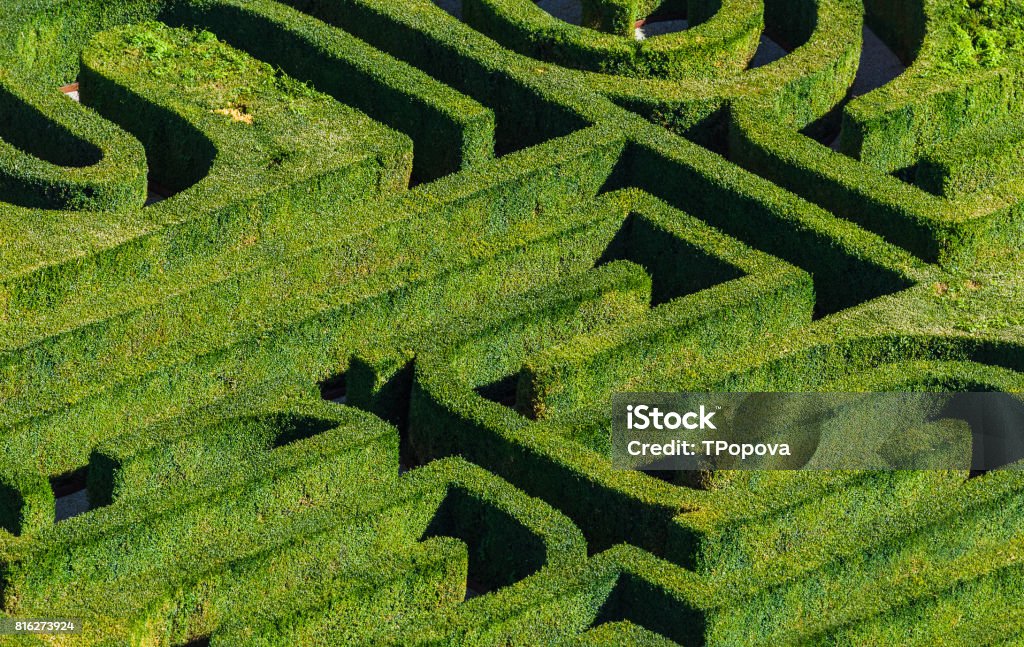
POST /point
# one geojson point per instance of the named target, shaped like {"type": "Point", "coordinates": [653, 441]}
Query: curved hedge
{"type": "Point", "coordinates": [722, 43]}
{"type": "Point", "coordinates": [467, 235]}
{"type": "Point", "coordinates": [98, 167]}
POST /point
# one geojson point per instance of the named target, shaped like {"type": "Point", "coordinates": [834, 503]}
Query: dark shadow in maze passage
{"type": "Point", "coordinates": [453, 7]}
{"type": "Point", "coordinates": [900, 25]}
{"type": "Point", "coordinates": [501, 550]}
{"type": "Point", "coordinates": [997, 427]}
{"type": "Point", "coordinates": [524, 117]}
{"type": "Point", "coordinates": [385, 391]}
{"type": "Point", "coordinates": [25, 127]}
{"type": "Point", "coordinates": [505, 391]}
{"type": "Point", "coordinates": [790, 24]}
{"type": "Point", "coordinates": [334, 389]}
{"type": "Point", "coordinates": [12, 508]}
{"type": "Point", "coordinates": [570, 11]}
{"type": "Point", "coordinates": [292, 428]}
{"type": "Point", "coordinates": [642, 603]}
{"type": "Point", "coordinates": [768, 51]}
{"type": "Point", "coordinates": [681, 11]}
{"type": "Point", "coordinates": [437, 432]}
{"type": "Point", "coordinates": [388, 399]}
{"type": "Point", "coordinates": [177, 153]}
{"type": "Point", "coordinates": [502, 391]}
{"type": "Point", "coordinates": [879, 65]}
{"type": "Point", "coordinates": [70, 494]}
{"type": "Point", "coordinates": [842, 279]}
{"type": "Point", "coordinates": [676, 267]}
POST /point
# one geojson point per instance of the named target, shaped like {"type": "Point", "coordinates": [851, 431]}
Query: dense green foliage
{"type": "Point", "coordinates": [476, 232]}
{"type": "Point", "coordinates": [986, 33]}
{"type": "Point", "coordinates": [724, 43]}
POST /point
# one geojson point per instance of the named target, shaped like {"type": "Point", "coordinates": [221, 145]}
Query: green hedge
{"type": "Point", "coordinates": [448, 416]}
{"type": "Point", "coordinates": [823, 41]}
{"type": "Point", "coordinates": [890, 128]}
{"type": "Point", "coordinates": [449, 130]}
{"type": "Point", "coordinates": [709, 291]}
{"type": "Point", "coordinates": [283, 167]}
{"type": "Point", "coordinates": [721, 45]}
{"type": "Point", "coordinates": [545, 240]}
{"type": "Point", "coordinates": [968, 562]}
{"type": "Point", "coordinates": [246, 307]}
{"type": "Point", "coordinates": [621, 594]}
{"type": "Point", "coordinates": [205, 509]}
{"type": "Point", "coordinates": [182, 528]}
{"type": "Point", "coordinates": [54, 154]}
{"type": "Point", "coordinates": [612, 16]}
{"type": "Point", "coordinates": [94, 166]}
{"type": "Point", "coordinates": [930, 227]}
{"type": "Point", "coordinates": [874, 509]}
{"type": "Point", "coordinates": [975, 160]}
{"type": "Point", "coordinates": [848, 265]}
{"type": "Point", "coordinates": [521, 541]}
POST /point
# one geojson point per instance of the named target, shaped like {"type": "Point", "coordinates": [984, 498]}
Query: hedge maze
{"type": "Point", "coordinates": [311, 311]}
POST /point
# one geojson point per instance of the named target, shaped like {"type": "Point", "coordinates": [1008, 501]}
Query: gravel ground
{"type": "Point", "coordinates": [71, 505]}
{"type": "Point", "coordinates": [767, 52]}
{"type": "Point", "coordinates": [878, 65]}
{"type": "Point", "coordinates": [568, 10]}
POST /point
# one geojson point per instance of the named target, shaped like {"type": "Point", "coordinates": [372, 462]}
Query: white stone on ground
{"type": "Point", "coordinates": [661, 27]}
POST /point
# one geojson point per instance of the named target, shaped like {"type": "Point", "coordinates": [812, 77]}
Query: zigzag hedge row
{"type": "Point", "coordinates": [311, 311]}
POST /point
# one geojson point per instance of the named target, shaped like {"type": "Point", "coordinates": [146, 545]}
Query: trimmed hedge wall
{"type": "Point", "coordinates": [721, 45]}
{"type": "Point", "coordinates": [99, 168]}
{"type": "Point", "coordinates": [569, 233]}
{"type": "Point", "coordinates": [449, 130]}
{"type": "Point", "coordinates": [976, 159]}
{"type": "Point", "coordinates": [893, 129]}
{"type": "Point", "coordinates": [888, 129]}
{"type": "Point", "coordinates": [282, 171]}
{"type": "Point", "coordinates": [709, 291]}
{"type": "Point", "coordinates": [312, 475]}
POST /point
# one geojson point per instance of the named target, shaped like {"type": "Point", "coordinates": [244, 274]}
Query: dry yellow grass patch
{"type": "Point", "coordinates": [236, 114]}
